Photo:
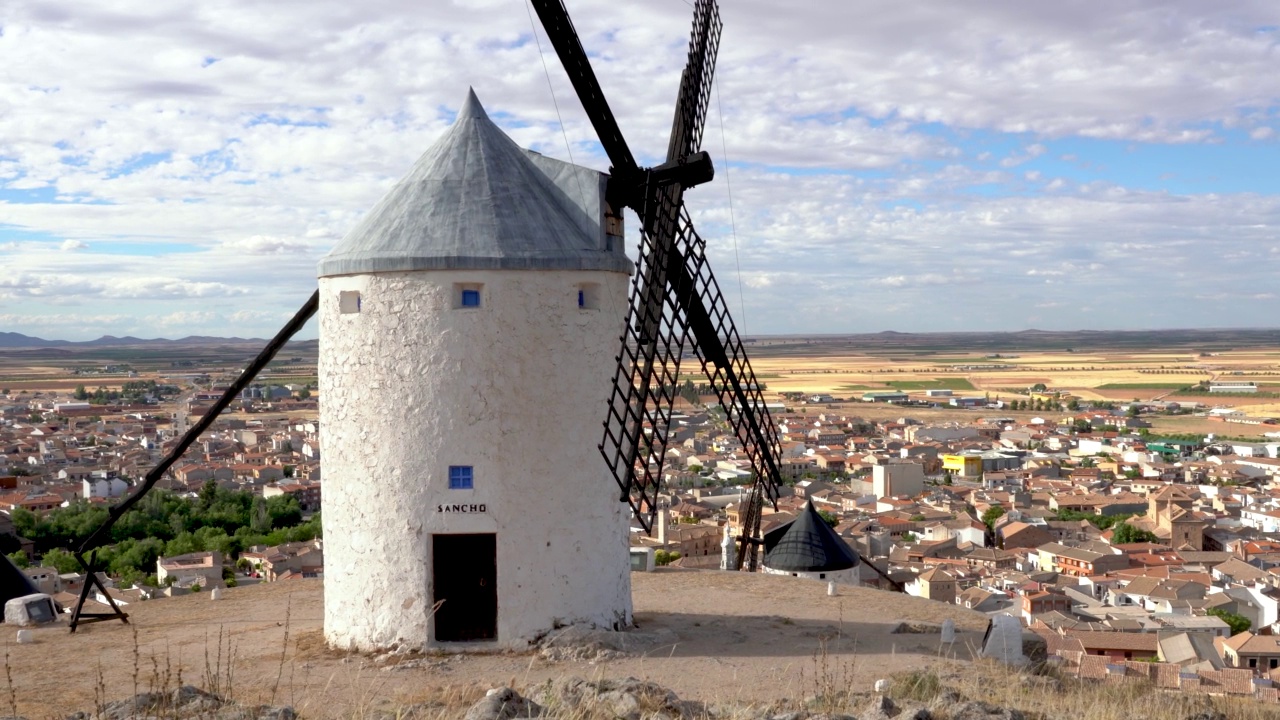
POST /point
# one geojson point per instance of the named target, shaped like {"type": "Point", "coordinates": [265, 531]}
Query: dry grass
{"type": "Point", "coordinates": [827, 686]}
{"type": "Point", "coordinates": [1056, 697]}
{"type": "Point", "coordinates": [736, 635]}
{"type": "Point", "coordinates": [291, 665]}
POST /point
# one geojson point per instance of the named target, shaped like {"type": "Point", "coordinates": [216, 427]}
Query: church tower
{"type": "Point", "coordinates": [468, 328]}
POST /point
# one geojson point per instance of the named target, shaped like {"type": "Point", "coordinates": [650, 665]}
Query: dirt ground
{"type": "Point", "coordinates": [741, 638]}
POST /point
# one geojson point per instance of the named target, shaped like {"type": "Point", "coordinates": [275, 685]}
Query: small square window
{"type": "Point", "coordinates": [589, 296]}
{"type": "Point", "coordinates": [467, 295]}
{"type": "Point", "coordinates": [348, 302]}
{"type": "Point", "coordinates": [460, 477]}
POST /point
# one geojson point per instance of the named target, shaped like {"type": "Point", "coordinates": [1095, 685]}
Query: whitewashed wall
{"type": "Point", "coordinates": [516, 389]}
{"type": "Point", "coordinates": [848, 576]}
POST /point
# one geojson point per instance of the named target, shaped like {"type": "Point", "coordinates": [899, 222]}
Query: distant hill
{"type": "Point", "coordinates": [18, 340]}
{"type": "Point", "coordinates": [1188, 340]}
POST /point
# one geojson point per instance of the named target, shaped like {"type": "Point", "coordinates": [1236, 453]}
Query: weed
{"type": "Point", "coordinates": [219, 673]}
{"type": "Point", "coordinates": [13, 693]}
{"type": "Point", "coordinates": [284, 649]}
{"type": "Point", "coordinates": [920, 685]}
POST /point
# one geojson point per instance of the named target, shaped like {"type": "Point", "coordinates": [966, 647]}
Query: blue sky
{"type": "Point", "coordinates": [891, 166]}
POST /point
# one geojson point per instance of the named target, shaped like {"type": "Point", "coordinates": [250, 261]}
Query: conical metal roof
{"type": "Point", "coordinates": [13, 583]}
{"type": "Point", "coordinates": [477, 201]}
{"type": "Point", "coordinates": [807, 544]}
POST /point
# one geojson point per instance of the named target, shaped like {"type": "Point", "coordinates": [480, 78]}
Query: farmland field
{"type": "Point", "coordinates": [1143, 386]}
{"type": "Point", "coordinates": [1101, 367]}
{"type": "Point", "coordinates": [942, 383]}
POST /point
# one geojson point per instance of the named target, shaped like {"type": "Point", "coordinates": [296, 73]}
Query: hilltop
{"type": "Point", "coordinates": [734, 637]}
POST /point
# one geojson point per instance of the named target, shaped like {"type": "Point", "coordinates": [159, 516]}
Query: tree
{"type": "Point", "coordinates": [208, 493]}
{"type": "Point", "coordinates": [909, 537]}
{"type": "Point", "coordinates": [80, 393]}
{"type": "Point", "coordinates": [993, 513]}
{"type": "Point", "coordinates": [1124, 533]}
{"type": "Point", "coordinates": [62, 560]}
{"type": "Point", "coordinates": [259, 520]}
{"type": "Point", "coordinates": [304, 394]}
{"type": "Point", "coordinates": [1237, 623]}
{"type": "Point", "coordinates": [284, 511]}
{"type": "Point", "coordinates": [689, 392]}
{"type": "Point", "coordinates": [20, 559]}
{"type": "Point", "coordinates": [828, 518]}
{"type": "Point", "coordinates": [665, 557]}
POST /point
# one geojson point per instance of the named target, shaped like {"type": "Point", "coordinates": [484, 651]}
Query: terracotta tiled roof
{"type": "Point", "coordinates": [1166, 675]}
{"type": "Point", "coordinates": [1142, 642]}
{"type": "Point", "coordinates": [1232, 680]}
{"type": "Point", "coordinates": [1092, 667]}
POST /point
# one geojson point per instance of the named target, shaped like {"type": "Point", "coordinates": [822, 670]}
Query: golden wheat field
{"type": "Point", "coordinates": [1086, 375]}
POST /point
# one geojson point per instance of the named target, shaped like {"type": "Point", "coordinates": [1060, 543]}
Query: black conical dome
{"type": "Point", "coordinates": [807, 544]}
{"type": "Point", "coordinates": [13, 583]}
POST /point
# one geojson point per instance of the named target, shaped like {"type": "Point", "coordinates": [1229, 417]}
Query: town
{"type": "Point", "coordinates": [1129, 553]}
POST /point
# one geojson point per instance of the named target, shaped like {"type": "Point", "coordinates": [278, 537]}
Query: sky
{"type": "Point", "coordinates": [178, 168]}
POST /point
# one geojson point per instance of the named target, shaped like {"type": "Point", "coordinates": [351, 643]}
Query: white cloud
{"type": "Point", "coordinates": [38, 321]}
{"type": "Point", "coordinates": [871, 150]}
{"type": "Point", "coordinates": [74, 286]}
{"type": "Point", "coordinates": [266, 245]}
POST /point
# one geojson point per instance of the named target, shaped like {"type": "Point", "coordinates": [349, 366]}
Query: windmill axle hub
{"type": "Point", "coordinates": [631, 189]}
{"type": "Point", "coordinates": [690, 171]}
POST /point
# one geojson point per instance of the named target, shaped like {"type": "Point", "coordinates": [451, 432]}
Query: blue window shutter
{"type": "Point", "coordinates": [470, 298]}
{"type": "Point", "coordinates": [460, 477]}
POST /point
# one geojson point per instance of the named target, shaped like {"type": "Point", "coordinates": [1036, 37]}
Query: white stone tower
{"type": "Point", "coordinates": [468, 329]}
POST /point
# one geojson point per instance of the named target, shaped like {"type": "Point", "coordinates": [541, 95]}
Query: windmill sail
{"type": "Point", "coordinates": [675, 297]}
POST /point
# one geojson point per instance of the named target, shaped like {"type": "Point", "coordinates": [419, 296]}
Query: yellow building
{"type": "Point", "coordinates": [965, 465]}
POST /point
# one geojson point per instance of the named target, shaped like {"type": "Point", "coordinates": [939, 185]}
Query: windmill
{"type": "Point", "coordinates": [675, 302]}
{"type": "Point", "coordinates": [675, 299]}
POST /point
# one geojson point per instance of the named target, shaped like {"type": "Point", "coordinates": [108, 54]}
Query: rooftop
{"type": "Point", "coordinates": [477, 201]}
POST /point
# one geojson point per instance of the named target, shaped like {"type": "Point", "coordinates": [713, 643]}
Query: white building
{"type": "Point", "coordinates": [202, 568]}
{"type": "Point", "coordinates": [60, 407]}
{"type": "Point", "coordinates": [469, 326]}
{"type": "Point", "coordinates": [103, 487]}
{"type": "Point", "coordinates": [897, 479]}
{"type": "Point", "coordinates": [1228, 386]}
